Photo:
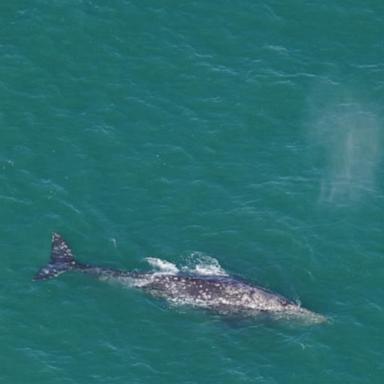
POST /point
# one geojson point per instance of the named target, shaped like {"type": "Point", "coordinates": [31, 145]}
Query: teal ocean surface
{"type": "Point", "coordinates": [242, 135]}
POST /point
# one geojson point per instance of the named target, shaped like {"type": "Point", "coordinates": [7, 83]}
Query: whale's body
{"type": "Point", "coordinates": [222, 294]}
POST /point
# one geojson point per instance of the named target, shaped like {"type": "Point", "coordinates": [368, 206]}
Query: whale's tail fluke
{"type": "Point", "coordinates": [62, 260]}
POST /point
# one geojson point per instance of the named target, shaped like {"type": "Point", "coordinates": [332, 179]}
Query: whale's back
{"type": "Point", "coordinates": [218, 293]}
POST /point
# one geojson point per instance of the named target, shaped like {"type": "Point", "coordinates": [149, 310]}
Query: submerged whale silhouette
{"type": "Point", "coordinates": [222, 294]}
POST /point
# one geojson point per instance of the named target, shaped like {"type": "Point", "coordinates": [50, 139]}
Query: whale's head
{"type": "Point", "coordinates": [301, 314]}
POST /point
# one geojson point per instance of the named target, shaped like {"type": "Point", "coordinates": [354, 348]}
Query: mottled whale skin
{"type": "Point", "coordinates": [222, 294]}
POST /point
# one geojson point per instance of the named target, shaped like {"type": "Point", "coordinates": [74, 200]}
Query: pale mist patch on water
{"type": "Point", "coordinates": [348, 135]}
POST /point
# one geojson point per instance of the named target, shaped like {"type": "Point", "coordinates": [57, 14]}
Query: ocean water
{"type": "Point", "coordinates": [241, 136]}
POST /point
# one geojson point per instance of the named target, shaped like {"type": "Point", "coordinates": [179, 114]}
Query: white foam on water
{"type": "Point", "coordinates": [163, 266]}
{"type": "Point", "coordinates": [201, 264]}
{"type": "Point", "coordinates": [196, 263]}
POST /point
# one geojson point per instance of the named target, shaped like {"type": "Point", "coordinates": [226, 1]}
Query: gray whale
{"type": "Point", "coordinates": [222, 294]}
